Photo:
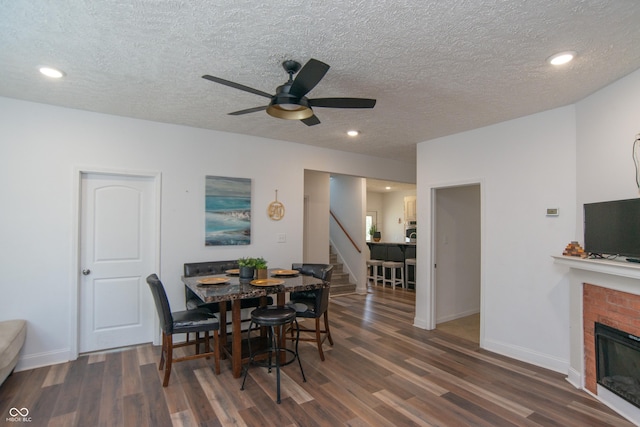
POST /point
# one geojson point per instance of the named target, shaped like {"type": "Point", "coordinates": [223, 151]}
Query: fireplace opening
{"type": "Point", "coordinates": [618, 362]}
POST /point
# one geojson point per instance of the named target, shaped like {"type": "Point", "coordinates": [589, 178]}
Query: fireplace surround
{"type": "Point", "coordinates": [606, 292]}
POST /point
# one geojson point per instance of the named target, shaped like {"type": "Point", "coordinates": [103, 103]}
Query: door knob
{"type": "Point", "coordinates": [86, 271]}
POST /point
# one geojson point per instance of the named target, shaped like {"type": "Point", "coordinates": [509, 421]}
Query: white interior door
{"type": "Point", "coordinates": [117, 247]}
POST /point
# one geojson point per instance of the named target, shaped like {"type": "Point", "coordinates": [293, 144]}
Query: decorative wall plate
{"type": "Point", "coordinates": [276, 209]}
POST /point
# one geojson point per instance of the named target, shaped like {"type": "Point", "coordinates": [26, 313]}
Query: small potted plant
{"type": "Point", "coordinates": [260, 264]}
{"type": "Point", "coordinates": [247, 267]}
{"type": "Point", "coordinates": [375, 234]}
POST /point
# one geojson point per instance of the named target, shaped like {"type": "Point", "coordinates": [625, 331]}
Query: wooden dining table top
{"type": "Point", "coordinates": [236, 288]}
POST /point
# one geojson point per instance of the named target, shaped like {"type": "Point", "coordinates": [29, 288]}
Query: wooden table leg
{"type": "Point", "coordinates": [236, 337]}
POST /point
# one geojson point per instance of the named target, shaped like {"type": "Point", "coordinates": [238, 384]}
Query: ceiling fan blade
{"type": "Point", "coordinates": [308, 77]}
{"type": "Point", "coordinates": [343, 102]}
{"type": "Point", "coordinates": [248, 110]}
{"type": "Point", "coordinates": [313, 120]}
{"type": "Point", "coordinates": [237, 86]}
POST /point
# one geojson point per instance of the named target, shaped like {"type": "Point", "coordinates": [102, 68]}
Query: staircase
{"type": "Point", "coordinates": [339, 279]}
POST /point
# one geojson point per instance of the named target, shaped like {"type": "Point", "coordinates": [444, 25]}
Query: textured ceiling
{"type": "Point", "coordinates": [435, 67]}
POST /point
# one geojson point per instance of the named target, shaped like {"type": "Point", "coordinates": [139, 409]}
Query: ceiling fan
{"type": "Point", "coordinates": [290, 101]}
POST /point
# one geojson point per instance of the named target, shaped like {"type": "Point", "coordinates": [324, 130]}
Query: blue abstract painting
{"type": "Point", "coordinates": [227, 211]}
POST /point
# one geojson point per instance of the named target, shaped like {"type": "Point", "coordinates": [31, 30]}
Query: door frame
{"type": "Point", "coordinates": [74, 294]}
{"type": "Point", "coordinates": [431, 283]}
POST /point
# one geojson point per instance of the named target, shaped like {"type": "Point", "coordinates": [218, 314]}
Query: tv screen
{"type": "Point", "coordinates": [612, 228]}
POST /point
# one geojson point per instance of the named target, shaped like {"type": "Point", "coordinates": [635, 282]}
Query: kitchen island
{"type": "Point", "coordinates": [394, 251]}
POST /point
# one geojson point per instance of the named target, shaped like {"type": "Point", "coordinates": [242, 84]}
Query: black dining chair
{"type": "Point", "coordinates": [313, 304]}
{"type": "Point", "coordinates": [183, 322]}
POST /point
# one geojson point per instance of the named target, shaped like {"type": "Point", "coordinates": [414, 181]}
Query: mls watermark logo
{"type": "Point", "coordinates": [18, 415]}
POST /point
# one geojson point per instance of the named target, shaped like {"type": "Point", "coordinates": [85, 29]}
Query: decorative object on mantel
{"type": "Point", "coordinates": [574, 249]}
{"type": "Point", "coordinates": [276, 209]}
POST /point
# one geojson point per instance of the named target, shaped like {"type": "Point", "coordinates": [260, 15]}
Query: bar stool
{"type": "Point", "coordinates": [392, 267]}
{"type": "Point", "coordinates": [275, 318]}
{"type": "Point", "coordinates": [373, 266]}
{"type": "Point", "coordinates": [410, 262]}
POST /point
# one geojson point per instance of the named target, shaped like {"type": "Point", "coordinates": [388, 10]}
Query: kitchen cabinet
{"type": "Point", "coordinates": [409, 208]}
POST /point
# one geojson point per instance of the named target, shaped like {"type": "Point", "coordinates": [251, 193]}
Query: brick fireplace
{"type": "Point", "coordinates": [620, 310]}
{"type": "Point", "coordinates": [608, 292]}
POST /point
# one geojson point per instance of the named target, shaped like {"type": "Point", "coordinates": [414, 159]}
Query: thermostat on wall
{"type": "Point", "coordinates": [553, 212]}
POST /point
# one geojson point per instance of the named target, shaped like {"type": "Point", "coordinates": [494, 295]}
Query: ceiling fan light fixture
{"type": "Point", "coordinates": [290, 101]}
{"type": "Point", "coordinates": [286, 107]}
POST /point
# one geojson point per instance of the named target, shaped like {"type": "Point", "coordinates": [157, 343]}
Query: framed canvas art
{"type": "Point", "coordinates": [227, 211]}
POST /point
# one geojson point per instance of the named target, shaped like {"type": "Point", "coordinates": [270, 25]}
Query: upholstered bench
{"type": "Point", "coordinates": [12, 335]}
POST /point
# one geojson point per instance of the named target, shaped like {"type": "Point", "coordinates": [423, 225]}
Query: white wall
{"type": "Point", "coordinates": [375, 203]}
{"type": "Point", "coordinates": [316, 230]}
{"type": "Point", "coordinates": [390, 208]}
{"type": "Point", "coordinates": [40, 150]}
{"type": "Point", "coordinates": [523, 166]}
{"type": "Point", "coordinates": [393, 227]}
{"type": "Point", "coordinates": [560, 158]}
{"type": "Point", "coordinates": [348, 203]}
{"type": "Point", "coordinates": [607, 124]}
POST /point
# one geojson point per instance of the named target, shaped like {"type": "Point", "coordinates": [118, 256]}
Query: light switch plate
{"type": "Point", "coordinates": [282, 238]}
{"type": "Point", "coordinates": [553, 212]}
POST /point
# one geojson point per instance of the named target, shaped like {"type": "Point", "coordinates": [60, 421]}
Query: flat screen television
{"type": "Point", "coordinates": [613, 228]}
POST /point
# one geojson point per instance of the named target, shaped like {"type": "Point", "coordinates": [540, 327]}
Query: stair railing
{"type": "Point", "coordinates": [345, 231]}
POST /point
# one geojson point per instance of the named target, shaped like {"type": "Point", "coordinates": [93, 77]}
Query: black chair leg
{"type": "Point", "coordinates": [276, 344]}
{"type": "Point", "coordinates": [246, 368]}
{"type": "Point", "coordinates": [275, 338]}
{"type": "Point", "coordinates": [304, 379]}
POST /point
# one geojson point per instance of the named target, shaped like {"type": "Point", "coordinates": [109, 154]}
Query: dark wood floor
{"type": "Point", "coordinates": [380, 372]}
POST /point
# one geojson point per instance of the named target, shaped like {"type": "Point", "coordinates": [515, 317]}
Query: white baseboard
{"type": "Point", "coordinates": [527, 355]}
{"type": "Point", "coordinates": [458, 315]}
{"type": "Point", "coordinates": [38, 360]}
{"type": "Point", "coordinates": [420, 323]}
{"type": "Point", "coordinates": [574, 378]}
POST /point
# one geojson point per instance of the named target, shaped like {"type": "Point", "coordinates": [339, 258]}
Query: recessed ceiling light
{"type": "Point", "coordinates": [561, 58]}
{"type": "Point", "coordinates": [51, 72]}
{"type": "Point", "coordinates": [353, 133]}
{"type": "Point", "coordinates": [387, 188]}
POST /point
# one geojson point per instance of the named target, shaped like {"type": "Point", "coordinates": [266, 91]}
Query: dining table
{"type": "Point", "coordinates": [230, 287]}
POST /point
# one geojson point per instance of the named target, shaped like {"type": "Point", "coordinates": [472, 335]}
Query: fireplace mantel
{"type": "Point", "coordinates": [605, 266]}
{"type": "Point", "coordinates": [620, 276]}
